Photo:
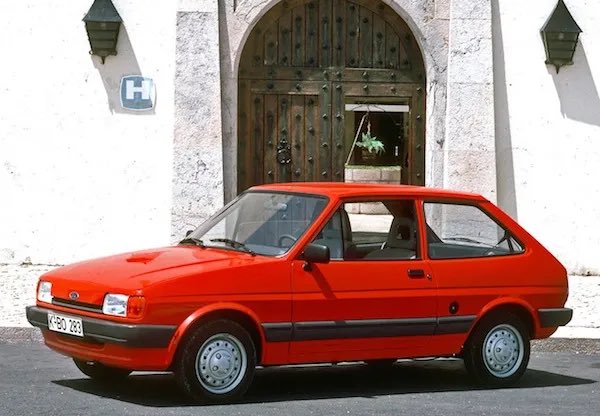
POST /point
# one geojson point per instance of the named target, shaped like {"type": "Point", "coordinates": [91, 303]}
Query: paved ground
{"type": "Point", "coordinates": [17, 290]}
{"type": "Point", "coordinates": [36, 381]}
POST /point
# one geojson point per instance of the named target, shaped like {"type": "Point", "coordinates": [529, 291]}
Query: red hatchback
{"type": "Point", "coordinates": [307, 273]}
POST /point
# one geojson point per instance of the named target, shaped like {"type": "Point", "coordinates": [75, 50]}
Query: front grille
{"type": "Point", "coordinates": [82, 306]}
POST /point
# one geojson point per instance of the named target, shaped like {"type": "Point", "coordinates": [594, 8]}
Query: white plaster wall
{"type": "Point", "coordinates": [79, 176]}
{"type": "Point", "coordinates": [548, 130]}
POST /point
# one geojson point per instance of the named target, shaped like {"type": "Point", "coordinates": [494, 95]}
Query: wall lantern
{"type": "Point", "coordinates": [560, 35]}
{"type": "Point", "coordinates": [102, 23]}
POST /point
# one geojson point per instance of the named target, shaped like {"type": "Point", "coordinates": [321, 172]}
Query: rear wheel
{"type": "Point", "coordinates": [216, 362]}
{"type": "Point", "coordinates": [101, 372]}
{"type": "Point", "coordinates": [497, 353]}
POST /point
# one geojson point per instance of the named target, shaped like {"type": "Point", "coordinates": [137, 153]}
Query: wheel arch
{"type": "Point", "coordinates": [516, 306]}
{"type": "Point", "coordinates": [234, 312]}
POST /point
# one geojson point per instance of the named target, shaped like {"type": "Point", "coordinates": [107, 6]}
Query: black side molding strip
{"type": "Point", "coordinates": [280, 331]}
{"type": "Point", "coordinates": [366, 328]}
{"type": "Point", "coordinates": [554, 317]}
{"type": "Point", "coordinates": [371, 328]}
{"type": "Point", "coordinates": [103, 331]}
{"type": "Point", "coordinates": [454, 324]}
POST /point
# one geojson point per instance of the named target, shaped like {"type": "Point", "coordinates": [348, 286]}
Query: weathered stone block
{"type": "Point", "coordinates": [442, 9]}
{"type": "Point", "coordinates": [364, 174]}
{"type": "Point", "coordinates": [470, 9]}
{"type": "Point", "coordinates": [471, 51]}
{"type": "Point", "coordinates": [391, 174]}
{"type": "Point", "coordinates": [470, 117]}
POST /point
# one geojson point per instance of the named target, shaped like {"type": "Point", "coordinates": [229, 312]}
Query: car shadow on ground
{"type": "Point", "coordinates": [279, 384]}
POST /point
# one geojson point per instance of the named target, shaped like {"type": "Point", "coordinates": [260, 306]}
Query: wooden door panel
{"type": "Point", "coordinates": [298, 138]}
{"type": "Point", "coordinates": [324, 42]}
{"type": "Point", "coordinates": [298, 37]}
{"type": "Point", "coordinates": [324, 135]}
{"type": "Point", "coordinates": [284, 44]}
{"type": "Point", "coordinates": [351, 35]}
{"type": "Point", "coordinates": [339, 33]}
{"type": "Point", "coordinates": [366, 38]}
{"type": "Point", "coordinates": [283, 149]}
{"type": "Point", "coordinates": [299, 65]}
{"type": "Point", "coordinates": [338, 132]}
{"type": "Point", "coordinates": [257, 145]}
{"type": "Point", "coordinates": [312, 35]}
{"type": "Point", "coordinates": [270, 138]}
{"type": "Point", "coordinates": [311, 146]}
{"type": "Point", "coordinates": [379, 42]}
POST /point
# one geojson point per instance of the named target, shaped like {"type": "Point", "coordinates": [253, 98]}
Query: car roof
{"type": "Point", "coordinates": [348, 190]}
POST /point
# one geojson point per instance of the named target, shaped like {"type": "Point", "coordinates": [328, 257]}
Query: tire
{"type": "Point", "coordinates": [497, 353]}
{"type": "Point", "coordinates": [229, 350]}
{"type": "Point", "coordinates": [100, 372]}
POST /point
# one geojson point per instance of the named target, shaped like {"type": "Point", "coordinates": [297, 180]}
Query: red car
{"type": "Point", "coordinates": [312, 272]}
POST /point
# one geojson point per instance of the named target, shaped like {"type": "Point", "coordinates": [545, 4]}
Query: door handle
{"type": "Point", "coordinates": [416, 273]}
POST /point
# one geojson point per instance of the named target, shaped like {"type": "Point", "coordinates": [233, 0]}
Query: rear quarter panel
{"type": "Point", "coordinates": [534, 279]}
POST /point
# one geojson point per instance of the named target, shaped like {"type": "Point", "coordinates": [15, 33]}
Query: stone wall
{"type": "Point", "coordinates": [198, 150]}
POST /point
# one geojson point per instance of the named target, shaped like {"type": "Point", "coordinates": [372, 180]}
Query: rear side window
{"type": "Point", "coordinates": [463, 231]}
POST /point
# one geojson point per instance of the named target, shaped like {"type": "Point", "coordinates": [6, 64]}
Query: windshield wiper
{"type": "Point", "coordinates": [233, 244]}
{"type": "Point", "coordinates": [192, 240]}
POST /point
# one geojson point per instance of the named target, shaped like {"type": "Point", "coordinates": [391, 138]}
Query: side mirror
{"type": "Point", "coordinates": [188, 232]}
{"type": "Point", "coordinates": [315, 253]}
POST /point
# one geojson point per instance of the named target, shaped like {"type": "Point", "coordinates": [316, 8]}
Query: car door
{"type": "Point", "coordinates": [376, 298]}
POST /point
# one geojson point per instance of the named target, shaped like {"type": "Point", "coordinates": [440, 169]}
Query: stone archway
{"type": "Point", "coordinates": [304, 66]}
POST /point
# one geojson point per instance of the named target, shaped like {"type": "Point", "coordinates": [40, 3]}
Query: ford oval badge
{"type": "Point", "coordinates": [73, 295]}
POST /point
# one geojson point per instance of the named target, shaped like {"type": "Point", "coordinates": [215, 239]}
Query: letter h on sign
{"type": "Point", "coordinates": [137, 93]}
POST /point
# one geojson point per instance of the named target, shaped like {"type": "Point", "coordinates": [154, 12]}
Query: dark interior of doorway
{"type": "Point", "coordinates": [389, 129]}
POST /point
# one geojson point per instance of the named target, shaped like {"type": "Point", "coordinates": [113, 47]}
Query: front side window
{"type": "Point", "coordinates": [461, 231]}
{"type": "Point", "coordinates": [267, 223]}
{"type": "Point", "coordinates": [372, 230]}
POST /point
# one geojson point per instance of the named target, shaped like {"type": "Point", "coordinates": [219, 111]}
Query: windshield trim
{"type": "Point", "coordinates": [220, 214]}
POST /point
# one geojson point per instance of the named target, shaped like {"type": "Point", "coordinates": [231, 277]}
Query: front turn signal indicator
{"type": "Point", "coordinates": [136, 306]}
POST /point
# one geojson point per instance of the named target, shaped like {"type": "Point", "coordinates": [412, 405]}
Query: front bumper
{"type": "Point", "coordinates": [107, 332]}
{"type": "Point", "coordinates": [552, 318]}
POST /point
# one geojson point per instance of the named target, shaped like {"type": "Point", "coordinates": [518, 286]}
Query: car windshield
{"type": "Point", "coordinates": [266, 223]}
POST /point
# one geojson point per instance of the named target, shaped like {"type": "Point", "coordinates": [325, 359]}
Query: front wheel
{"type": "Point", "coordinates": [217, 362]}
{"type": "Point", "coordinates": [100, 372]}
{"type": "Point", "coordinates": [497, 353]}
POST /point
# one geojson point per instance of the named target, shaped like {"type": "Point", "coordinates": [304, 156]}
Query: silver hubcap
{"type": "Point", "coordinates": [503, 350]}
{"type": "Point", "coordinates": [221, 363]}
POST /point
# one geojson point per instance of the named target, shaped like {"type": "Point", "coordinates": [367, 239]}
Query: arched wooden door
{"type": "Point", "coordinates": [302, 66]}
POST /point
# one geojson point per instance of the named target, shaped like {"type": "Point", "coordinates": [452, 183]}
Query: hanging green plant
{"type": "Point", "coordinates": [371, 143]}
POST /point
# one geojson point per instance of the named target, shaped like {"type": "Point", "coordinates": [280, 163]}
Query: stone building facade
{"type": "Point", "coordinates": [252, 91]}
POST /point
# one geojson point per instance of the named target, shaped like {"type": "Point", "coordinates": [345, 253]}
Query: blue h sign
{"type": "Point", "coordinates": [137, 92]}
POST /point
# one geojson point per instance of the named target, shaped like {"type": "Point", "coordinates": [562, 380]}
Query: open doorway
{"type": "Point", "coordinates": [377, 135]}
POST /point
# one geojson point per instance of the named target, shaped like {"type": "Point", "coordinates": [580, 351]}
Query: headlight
{"type": "Point", "coordinates": [45, 292]}
{"type": "Point", "coordinates": [115, 304]}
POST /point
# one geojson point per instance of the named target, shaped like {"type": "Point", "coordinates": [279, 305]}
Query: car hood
{"type": "Point", "coordinates": [129, 272]}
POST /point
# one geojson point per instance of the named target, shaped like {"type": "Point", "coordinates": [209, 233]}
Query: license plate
{"type": "Point", "coordinates": [65, 324]}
